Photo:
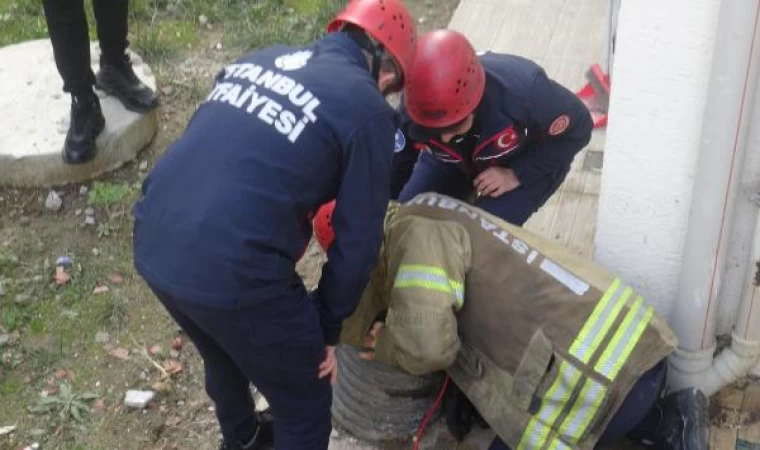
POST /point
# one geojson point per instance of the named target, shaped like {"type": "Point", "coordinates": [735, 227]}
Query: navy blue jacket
{"type": "Point", "coordinates": [226, 213]}
{"type": "Point", "coordinates": [525, 121]}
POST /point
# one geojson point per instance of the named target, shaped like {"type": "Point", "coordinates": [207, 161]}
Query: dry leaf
{"type": "Point", "coordinates": [115, 278]}
{"type": "Point", "coordinates": [99, 406]}
{"type": "Point", "coordinates": [173, 421]}
{"type": "Point", "coordinates": [61, 277]}
{"type": "Point", "coordinates": [159, 386]}
{"type": "Point", "coordinates": [156, 349]}
{"type": "Point", "coordinates": [172, 367]}
{"type": "Point", "coordinates": [100, 290]}
{"type": "Point", "coordinates": [62, 374]}
{"type": "Point", "coordinates": [177, 343]}
{"type": "Point", "coordinates": [119, 353]}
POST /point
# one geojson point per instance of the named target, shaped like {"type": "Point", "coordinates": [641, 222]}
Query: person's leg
{"type": "Point", "coordinates": [116, 76]}
{"type": "Point", "coordinates": [111, 22]}
{"type": "Point", "coordinates": [226, 385]}
{"type": "Point", "coordinates": [517, 206]}
{"type": "Point", "coordinates": [636, 405]}
{"type": "Point", "coordinates": [431, 175]}
{"type": "Point", "coordinates": [278, 345]}
{"type": "Point", "coordinates": [67, 26]}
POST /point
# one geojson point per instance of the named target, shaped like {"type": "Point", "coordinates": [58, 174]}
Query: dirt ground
{"type": "Point", "coordinates": [72, 343]}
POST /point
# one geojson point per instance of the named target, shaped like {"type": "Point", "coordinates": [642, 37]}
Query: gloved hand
{"type": "Point", "coordinates": [460, 412]}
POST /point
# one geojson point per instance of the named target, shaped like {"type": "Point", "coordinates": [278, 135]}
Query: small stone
{"type": "Point", "coordinates": [63, 261]}
{"type": "Point", "coordinates": [138, 399]}
{"type": "Point", "coordinates": [5, 339]}
{"type": "Point", "coordinates": [78, 212]}
{"type": "Point", "coordinates": [95, 252]}
{"type": "Point", "coordinates": [218, 46]}
{"type": "Point", "coordinates": [90, 211]}
{"type": "Point", "coordinates": [24, 220]}
{"type": "Point", "coordinates": [37, 432]}
{"type": "Point", "coordinates": [53, 202]}
{"type": "Point", "coordinates": [23, 298]}
{"type": "Point", "coordinates": [173, 354]}
{"type": "Point", "coordinates": [102, 337]}
{"type": "Point", "coordinates": [202, 19]}
{"type": "Point", "coordinates": [143, 166]}
{"type": "Point", "coordinates": [83, 190]}
{"type": "Point", "coordinates": [334, 434]}
{"type": "Point", "coordinates": [167, 90]}
{"type": "Point", "coordinates": [89, 220]}
{"type": "Point", "coordinates": [35, 446]}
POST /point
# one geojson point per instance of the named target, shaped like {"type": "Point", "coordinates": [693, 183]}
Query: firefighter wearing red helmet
{"type": "Point", "coordinates": [489, 127]}
{"type": "Point", "coordinates": [284, 130]}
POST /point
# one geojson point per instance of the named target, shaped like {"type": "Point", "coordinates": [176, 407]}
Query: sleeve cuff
{"type": "Point", "coordinates": [331, 333]}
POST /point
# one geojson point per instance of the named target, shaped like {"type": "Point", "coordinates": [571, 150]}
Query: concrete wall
{"type": "Point", "coordinates": [662, 65]}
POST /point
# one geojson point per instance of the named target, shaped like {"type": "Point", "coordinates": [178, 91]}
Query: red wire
{"type": "Point", "coordinates": [429, 414]}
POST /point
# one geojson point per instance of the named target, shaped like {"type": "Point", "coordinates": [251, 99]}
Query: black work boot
{"type": "Point", "coordinates": [262, 438]}
{"type": "Point", "coordinates": [679, 421]}
{"type": "Point", "coordinates": [86, 123]}
{"type": "Point", "coordinates": [117, 78]}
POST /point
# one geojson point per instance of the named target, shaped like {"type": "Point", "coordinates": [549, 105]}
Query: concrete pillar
{"type": "Point", "coordinates": [662, 65]}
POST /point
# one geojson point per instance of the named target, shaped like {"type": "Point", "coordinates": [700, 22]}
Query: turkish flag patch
{"type": "Point", "coordinates": [559, 125]}
{"type": "Point", "coordinates": [508, 139]}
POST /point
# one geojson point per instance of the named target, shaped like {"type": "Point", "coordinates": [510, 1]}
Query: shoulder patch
{"type": "Point", "coordinates": [293, 61]}
{"type": "Point", "coordinates": [400, 141]}
{"type": "Point", "coordinates": [559, 125]}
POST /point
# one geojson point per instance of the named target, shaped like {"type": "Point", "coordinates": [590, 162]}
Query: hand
{"type": "Point", "coordinates": [496, 181]}
{"type": "Point", "coordinates": [329, 366]}
{"type": "Point", "coordinates": [370, 341]}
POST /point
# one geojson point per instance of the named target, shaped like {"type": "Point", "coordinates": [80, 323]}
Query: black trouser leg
{"type": "Point", "coordinates": [67, 25]}
{"type": "Point", "coordinates": [111, 18]}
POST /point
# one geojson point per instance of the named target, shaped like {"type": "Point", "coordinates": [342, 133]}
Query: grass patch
{"type": "Point", "coordinates": [106, 194]}
{"type": "Point", "coordinates": [164, 41]}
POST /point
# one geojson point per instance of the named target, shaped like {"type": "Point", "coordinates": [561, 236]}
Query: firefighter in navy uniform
{"type": "Point", "coordinates": [226, 214]}
{"type": "Point", "coordinates": [491, 128]}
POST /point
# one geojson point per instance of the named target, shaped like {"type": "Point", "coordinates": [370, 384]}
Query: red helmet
{"type": "Point", "coordinates": [387, 21]}
{"type": "Point", "coordinates": [446, 81]}
{"type": "Point", "coordinates": [323, 229]}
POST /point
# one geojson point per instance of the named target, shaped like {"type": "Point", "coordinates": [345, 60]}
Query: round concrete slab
{"type": "Point", "coordinates": [36, 117]}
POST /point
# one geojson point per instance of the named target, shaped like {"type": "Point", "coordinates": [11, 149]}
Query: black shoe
{"type": "Point", "coordinates": [87, 122]}
{"type": "Point", "coordinates": [118, 79]}
{"type": "Point", "coordinates": [680, 422]}
{"type": "Point", "coordinates": [262, 439]}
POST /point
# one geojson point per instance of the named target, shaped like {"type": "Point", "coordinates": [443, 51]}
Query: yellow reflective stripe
{"type": "Point", "coordinates": [535, 435]}
{"type": "Point", "coordinates": [584, 409]}
{"type": "Point", "coordinates": [429, 277]}
{"type": "Point", "coordinates": [559, 393]}
{"type": "Point", "coordinates": [558, 445]}
{"type": "Point", "coordinates": [599, 322]}
{"type": "Point", "coordinates": [625, 339]}
{"type": "Point", "coordinates": [423, 268]}
{"type": "Point", "coordinates": [553, 403]}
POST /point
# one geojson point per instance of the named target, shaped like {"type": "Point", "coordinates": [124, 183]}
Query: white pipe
{"type": "Point", "coordinates": [695, 313]}
{"type": "Point", "coordinates": [748, 319]}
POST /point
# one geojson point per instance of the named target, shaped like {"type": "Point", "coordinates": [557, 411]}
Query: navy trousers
{"type": "Point", "coordinates": [277, 346]}
{"type": "Point", "coordinates": [515, 207]}
{"type": "Point", "coordinates": [631, 419]}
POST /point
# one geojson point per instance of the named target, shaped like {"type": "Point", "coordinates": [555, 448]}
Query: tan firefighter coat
{"type": "Point", "coordinates": [544, 344]}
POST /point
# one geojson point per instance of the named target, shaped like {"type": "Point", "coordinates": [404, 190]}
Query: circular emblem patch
{"type": "Point", "coordinates": [400, 141]}
{"type": "Point", "coordinates": [559, 125]}
{"type": "Point", "coordinates": [293, 61]}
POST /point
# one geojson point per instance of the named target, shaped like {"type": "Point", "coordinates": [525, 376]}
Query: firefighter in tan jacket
{"type": "Point", "coordinates": [553, 351]}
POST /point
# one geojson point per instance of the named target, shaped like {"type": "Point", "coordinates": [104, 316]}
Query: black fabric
{"type": "Point", "coordinates": [67, 25]}
{"type": "Point", "coordinates": [460, 413]}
